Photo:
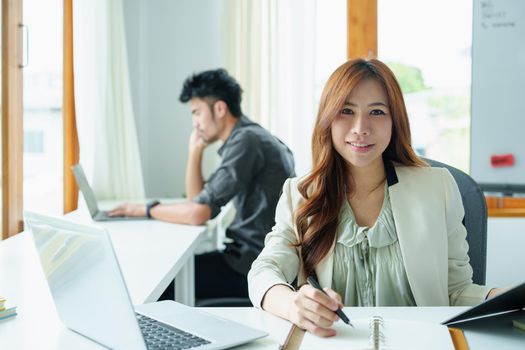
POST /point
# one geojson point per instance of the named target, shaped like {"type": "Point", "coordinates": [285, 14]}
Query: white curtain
{"type": "Point", "coordinates": [108, 140]}
{"type": "Point", "coordinates": [271, 51]}
{"type": "Point", "coordinates": [282, 52]}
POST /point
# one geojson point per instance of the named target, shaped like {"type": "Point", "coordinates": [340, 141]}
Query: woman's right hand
{"type": "Point", "coordinates": [314, 311]}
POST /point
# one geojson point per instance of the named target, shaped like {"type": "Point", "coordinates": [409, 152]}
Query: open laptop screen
{"type": "Point", "coordinates": [85, 188]}
{"type": "Point", "coordinates": [85, 281]}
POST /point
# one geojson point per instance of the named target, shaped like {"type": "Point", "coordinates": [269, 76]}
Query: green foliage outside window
{"type": "Point", "coordinates": [451, 106]}
{"type": "Point", "coordinates": [410, 78]}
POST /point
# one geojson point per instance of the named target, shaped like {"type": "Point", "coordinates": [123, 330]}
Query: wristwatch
{"type": "Point", "coordinates": [150, 205]}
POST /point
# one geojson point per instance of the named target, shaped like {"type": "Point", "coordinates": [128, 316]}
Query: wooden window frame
{"type": "Point", "coordinates": [71, 146]}
{"type": "Point", "coordinates": [361, 28]}
{"type": "Point", "coordinates": [12, 118]}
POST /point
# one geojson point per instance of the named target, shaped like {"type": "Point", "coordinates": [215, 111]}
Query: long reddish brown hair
{"type": "Point", "coordinates": [325, 188]}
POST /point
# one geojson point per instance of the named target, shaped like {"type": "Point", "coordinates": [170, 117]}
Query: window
{"type": "Point", "coordinates": [329, 54]}
{"type": "Point", "coordinates": [43, 136]}
{"type": "Point", "coordinates": [428, 46]}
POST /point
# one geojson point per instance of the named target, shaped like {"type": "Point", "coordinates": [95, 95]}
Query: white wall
{"type": "Point", "coordinates": [505, 251]}
{"type": "Point", "coordinates": [167, 41]}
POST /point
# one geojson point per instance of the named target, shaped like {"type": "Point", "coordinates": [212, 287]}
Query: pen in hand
{"type": "Point", "coordinates": [313, 282]}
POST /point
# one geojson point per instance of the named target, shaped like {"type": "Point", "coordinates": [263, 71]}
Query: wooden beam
{"type": "Point", "coordinates": [71, 147]}
{"type": "Point", "coordinates": [361, 28]}
{"type": "Point", "coordinates": [12, 119]}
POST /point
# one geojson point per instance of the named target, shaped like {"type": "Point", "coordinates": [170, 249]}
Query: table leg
{"type": "Point", "coordinates": [185, 284]}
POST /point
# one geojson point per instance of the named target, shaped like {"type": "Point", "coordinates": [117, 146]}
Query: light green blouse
{"type": "Point", "coordinates": [368, 264]}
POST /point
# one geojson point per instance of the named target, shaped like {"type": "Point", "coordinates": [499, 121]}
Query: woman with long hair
{"type": "Point", "coordinates": [372, 221]}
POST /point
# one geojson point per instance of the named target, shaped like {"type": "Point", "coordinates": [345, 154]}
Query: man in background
{"type": "Point", "coordinates": [254, 165]}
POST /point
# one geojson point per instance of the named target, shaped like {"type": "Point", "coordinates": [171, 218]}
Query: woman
{"type": "Point", "coordinates": [372, 221]}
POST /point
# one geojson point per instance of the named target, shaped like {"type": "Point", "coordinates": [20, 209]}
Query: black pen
{"type": "Point", "coordinates": [313, 282]}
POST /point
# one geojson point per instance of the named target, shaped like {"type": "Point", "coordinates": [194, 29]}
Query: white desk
{"type": "Point", "coordinates": [278, 328]}
{"type": "Point", "coordinates": [37, 325]}
{"type": "Point", "coordinates": [487, 336]}
{"type": "Point", "coordinates": [151, 254]}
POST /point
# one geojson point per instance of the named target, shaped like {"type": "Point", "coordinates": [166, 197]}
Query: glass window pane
{"type": "Point", "coordinates": [43, 144]}
{"type": "Point", "coordinates": [428, 46]}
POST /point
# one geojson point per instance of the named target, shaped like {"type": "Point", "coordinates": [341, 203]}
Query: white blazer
{"type": "Point", "coordinates": [428, 214]}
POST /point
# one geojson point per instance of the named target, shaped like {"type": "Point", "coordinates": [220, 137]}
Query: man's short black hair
{"type": "Point", "coordinates": [215, 84]}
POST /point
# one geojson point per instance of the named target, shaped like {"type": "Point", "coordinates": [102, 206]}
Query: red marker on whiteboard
{"type": "Point", "coordinates": [502, 160]}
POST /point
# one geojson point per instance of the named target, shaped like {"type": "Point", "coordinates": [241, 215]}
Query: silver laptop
{"type": "Point", "coordinates": [91, 200]}
{"type": "Point", "coordinates": [92, 299]}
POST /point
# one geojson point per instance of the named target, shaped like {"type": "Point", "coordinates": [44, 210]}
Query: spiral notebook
{"type": "Point", "coordinates": [377, 333]}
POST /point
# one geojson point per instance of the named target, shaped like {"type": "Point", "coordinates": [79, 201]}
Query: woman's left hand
{"type": "Point", "coordinates": [496, 291]}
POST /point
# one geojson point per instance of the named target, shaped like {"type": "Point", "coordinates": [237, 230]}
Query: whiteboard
{"type": "Point", "coordinates": [498, 90]}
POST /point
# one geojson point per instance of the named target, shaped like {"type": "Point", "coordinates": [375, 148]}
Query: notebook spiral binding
{"type": "Point", "coordinates": [377, 337]}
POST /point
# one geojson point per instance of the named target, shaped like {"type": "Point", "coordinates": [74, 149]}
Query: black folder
{"type": "Point", "coordinates": [511, 300]}
{"type": "Point", "coordinates": [490, 325]}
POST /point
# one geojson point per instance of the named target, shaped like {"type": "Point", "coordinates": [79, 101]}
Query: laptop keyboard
{"type": "Point", "coordinates": [160, 336]}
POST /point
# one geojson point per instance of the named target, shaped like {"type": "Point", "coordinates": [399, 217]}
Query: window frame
{"type": "Point", "coordinates": [71, 145]}
{"type": "Point", "coordinates": [361, 28]}
{"type": "Point", "coordinates": [12, 118]}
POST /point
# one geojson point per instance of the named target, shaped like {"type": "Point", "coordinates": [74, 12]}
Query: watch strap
{"type": "Point", "coordinates": [151, 205]}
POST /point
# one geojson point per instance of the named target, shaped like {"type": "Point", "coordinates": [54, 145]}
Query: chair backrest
{"type": "Point", "coordinates": [475, 219]}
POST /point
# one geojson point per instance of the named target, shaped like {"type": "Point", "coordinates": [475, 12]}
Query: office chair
{"type": "Point", "coordinates": [475, 220]}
